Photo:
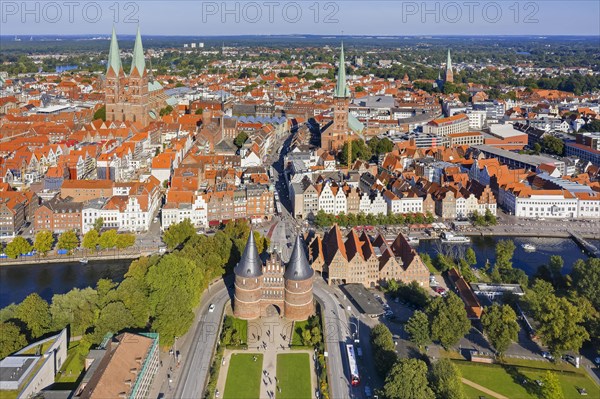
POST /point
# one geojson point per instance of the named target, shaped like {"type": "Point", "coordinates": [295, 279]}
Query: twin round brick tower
{"type": "Point", "coordinates": [263, 290]}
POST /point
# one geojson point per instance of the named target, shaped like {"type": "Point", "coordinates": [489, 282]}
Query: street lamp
{"type": "Point", "coordinates": [357, 340]}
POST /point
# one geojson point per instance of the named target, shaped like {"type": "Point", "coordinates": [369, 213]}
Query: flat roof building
{"type": "Point", "coordinates": [364, 298]}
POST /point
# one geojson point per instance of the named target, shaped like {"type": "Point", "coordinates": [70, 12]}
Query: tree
{"type": "Point", "coordinates": [175, 285]}
{"type": "Point", "coordinates": [100, 113]}
{"type": "Point", "coordinates": [113, 318]}
{"type": "Point", "coordinates": [35, 313]}
{"type": "Point", "coordinates": [383, 349]}
{"type": "Point", "coordinates": [448, 319]}
{"type": "Point", "coordinates": [306, 338]}
{"type": "Point", "coordinates": [17, 247]}
{"type": "Point", "coordinates": [178, 233]}
{"type": "Point", "coordinates": [561, 322]}
{"type": "Point", "coordinates": [68, 240]}
{"type": "Point", "coordinates": [490, 218]}
{"type": "Point", "coordinates": [43, 241]}
{"type": "Point", "coordinates": [500, 326]}
{"type": "Point", "coordinates": [418, 329]}
{"type": "Point", "coordinates": [240, 139]}
{"type": "Point", "coordinates": [166, 110]}
{"type": "Point", "coordinates": [11, 339]}
{"type": "Point", "coordinates": [90, 240]}
{"type": "Point", "coordinates": [553, 145]}
{"type": "Point", "coordinates": [125, 240]}
{"type": "Point", "coordinates": [555, 267]}
{"type": "Point", "coordinates": [198, 111]}
{"type": "Point", "coordinates": [551, 388]}
{"type": "Point", "coordinates": [108, 239]}
{"type": "Point", "coordinates": [407, 379]}
{"type": "Point", "coordinates": [537, 148]}
{"type": "Point", "coordinates": [586, 280]}
{"type": "Point", "coordinates": [77, 309]}
{"type": "Point", "coordinates": [505, 250]}
{"type": "Point", "coordinates": [445, 380]}
{"type": "Point", "coordinates": [470, 256]}
{"type": "Point", "coordinates": [98, 224]}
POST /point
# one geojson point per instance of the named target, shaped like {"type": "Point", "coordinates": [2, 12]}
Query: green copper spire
{"type": "Point", "coordinates": [341, 88]}
{"type": "Point", "coordinates": [449, 62]}
{"type": "Point", "coordinates": [114, 58]}
{"type": "Point", "coordinates": [138, 61]}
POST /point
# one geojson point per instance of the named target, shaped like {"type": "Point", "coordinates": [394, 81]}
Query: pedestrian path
{"type": "Point", "coordinates": [483, 389]}
{"type": "Point", "coordinates": [269, 336]}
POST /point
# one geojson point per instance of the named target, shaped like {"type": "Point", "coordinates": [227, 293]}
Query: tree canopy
{"type": "Point", "coordinates": [445, 380]}
{"type": "Point", "coordinates": [407, 379]}
{"type": "Point", "coordinates": [448, 319]}
{"type": "Point", "coordinates": [43, 241]}
{"type": "Point", "coordinates": [500, 326]}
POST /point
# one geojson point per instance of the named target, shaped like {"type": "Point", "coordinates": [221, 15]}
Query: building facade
{"type": "Point", "coordinates": [273, 289]}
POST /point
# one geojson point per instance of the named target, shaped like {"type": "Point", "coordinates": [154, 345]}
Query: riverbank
{"type": "Point", "coordinates": [80, 256]}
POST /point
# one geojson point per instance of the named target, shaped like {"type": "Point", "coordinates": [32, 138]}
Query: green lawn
{"type": "Point", "coordinates": [243, 376]}
{"type": "Point", "coordinates": [43, 348]}
{"type": "Point", "coordinates": [472, 393]}
{"type": "Point", "coordinates": [299, 326]}
{"type": "Point", "coordinates": [293, 376]}
{"type": "Point", "coordinates": [73, 366]}
{"type": "Point", "coordinates": [508, 379]}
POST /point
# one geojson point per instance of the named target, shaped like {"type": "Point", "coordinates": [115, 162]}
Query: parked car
{"type": "Point", "coordinates": [547, 355]}
{"type": "Point", "coordinates": [597, 361]}
{"type": "Point", "coordinates": [367, 391]}
{"type": "Point", "coordinates": [211, 308]}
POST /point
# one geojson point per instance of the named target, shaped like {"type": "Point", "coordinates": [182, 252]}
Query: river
{"type": "Point", "coordinates": [16, 282]}
{"type": "Point", "coordinates": [528, 261]}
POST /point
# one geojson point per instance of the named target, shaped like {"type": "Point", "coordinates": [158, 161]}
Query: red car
{"type": "Point", "coordinates": [439, 290]}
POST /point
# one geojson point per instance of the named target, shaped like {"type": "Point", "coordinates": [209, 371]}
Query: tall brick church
{"type": "Point", "coordinates": [273, 289]}
{"type": "Point", "coordinates": [135, 97]}
{"type": "Point", "coordinates": [344, 124]}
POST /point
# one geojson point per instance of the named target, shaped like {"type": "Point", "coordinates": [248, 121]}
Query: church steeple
{"type": "Point", "coordinates": [138, 61]}
{"type": "Point", "coordinates": [449, 74]}
{"type": "Point", "coordinates": [341, 88]}
{"type": "Point", "coordinates": [114, 58]}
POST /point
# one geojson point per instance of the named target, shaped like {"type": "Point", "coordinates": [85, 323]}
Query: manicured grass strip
{"type": "Point", "coordinates": [73, 366]}
{"type": "Point", "coordinates": [299, 326]}
{"type": "Point", "coordinates": [508, 380]}
{"type": "Point", "coordinates": [293, 376]}
{"type": "Point", "coordinates": [243, 376]}
{"type": "Point", "coordinates": [472, 393]}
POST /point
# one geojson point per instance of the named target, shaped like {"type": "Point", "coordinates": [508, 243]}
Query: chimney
{"type": "Point", "coordinates": [138, 359]}
{"type": "Point", "coordinates": [128, 383]}
{"type": "Point", "coordinates": [133, 371]}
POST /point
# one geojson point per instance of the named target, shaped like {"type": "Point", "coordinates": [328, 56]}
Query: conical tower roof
{"type": "Point", "coordinates": [114, 58]}
{"type": "Point", "coordinates": [449, 62]}
{"type": "Point", "coordinates": [250, 264]}
{"type": "Point", "coordinates": [138, 62]}
{"type": "Point", "coordinates": [298, 267]}
{"type": "Point", "coordinates": [341, 88]}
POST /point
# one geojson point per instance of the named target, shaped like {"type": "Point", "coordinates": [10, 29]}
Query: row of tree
{"type": "Point", "coordinates": [45, 241]}
{"type": "Point", "coordinates": [323, 219]}
{"type": "Point", "coordinates": [158, 293]}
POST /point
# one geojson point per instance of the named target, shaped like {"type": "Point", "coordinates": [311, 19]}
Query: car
{"type": "Point", "coordinates": [597, 361]}
{"type": "Point", "coordinates": [582, 391]}
{"type": "Point", "coordinates": [359, 352]}
{"type": "Point", "coordinates": [386, 306]}
{"type": "Point", "coordinates": [547, 355]}
{"type": "Point", "coordinates": [211, 308]}
{"type": "Point", "coordinates": [367, 391]}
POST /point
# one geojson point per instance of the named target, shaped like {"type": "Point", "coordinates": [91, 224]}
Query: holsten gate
{"type": "Point", "coordinates": [263, 290]}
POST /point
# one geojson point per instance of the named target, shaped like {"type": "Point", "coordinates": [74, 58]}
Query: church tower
{"type": "Point", "coordinates": [336, 134]}
{"type": "Point", "coordinates": [114, 79]}
{"type": "Point", "coordinates": [449, 74]}
{"type": "Point", "coordinates": [129, 97]}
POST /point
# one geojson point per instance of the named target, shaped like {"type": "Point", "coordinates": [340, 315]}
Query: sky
{"type": "Point", "coordinates": [272, 17]}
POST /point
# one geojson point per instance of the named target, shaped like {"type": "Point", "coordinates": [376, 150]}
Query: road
{"type": "Point", "coordinates": [197, 347]}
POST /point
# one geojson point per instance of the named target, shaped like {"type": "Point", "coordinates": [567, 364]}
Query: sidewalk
{"type": "Point", "coordinates": [266, 336]}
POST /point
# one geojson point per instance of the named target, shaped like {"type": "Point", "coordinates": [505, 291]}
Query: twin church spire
{"type": "Point", "coordinates": [138, 63]}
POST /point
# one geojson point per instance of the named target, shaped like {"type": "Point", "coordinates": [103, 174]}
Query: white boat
{"type": "Point", "coordinates": [412, 240]}
{"type": "Point", "coordinates": [83, 260]}
{"type": "Point", "coordinates": [528, 247]}
{"type": "Point", "coordinates": [451, 238]}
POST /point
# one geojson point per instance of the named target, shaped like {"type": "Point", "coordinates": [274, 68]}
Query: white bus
{"type": "Point", "coordinates": [354, 377]}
